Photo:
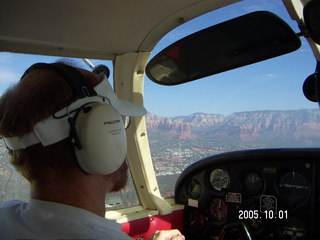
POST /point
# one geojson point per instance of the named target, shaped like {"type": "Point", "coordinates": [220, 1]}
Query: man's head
{"type": "Point", "coordinates": [41, 96]}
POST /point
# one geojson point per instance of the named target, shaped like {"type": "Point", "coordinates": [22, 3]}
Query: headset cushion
{"type": "Point", "coordinates": [103, 139]}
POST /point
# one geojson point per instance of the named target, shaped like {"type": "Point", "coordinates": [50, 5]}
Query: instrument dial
{"type": "Point", "coordinates": [196, 221]}
{"type": "Point", "coordinates": [218, 210]}
{"type": "Point", "coordinates": [194, 189]}
{"type": "Point", "coordinates": [294, 188]}
{"type": "Point", "coordinates": [253, 183]}
{"type": "Point", "coordinates": [293, 228]}
{"type": "Point", "coordinates": [219, 179]}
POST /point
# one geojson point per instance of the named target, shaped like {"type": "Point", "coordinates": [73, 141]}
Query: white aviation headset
{"type": "Point", "coordinates": [93, 122]}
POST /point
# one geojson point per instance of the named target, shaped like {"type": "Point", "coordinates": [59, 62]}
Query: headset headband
{"type": "Point", "coordinates": [77, 82]}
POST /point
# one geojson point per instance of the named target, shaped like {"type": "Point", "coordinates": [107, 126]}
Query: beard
{"type": "Point", "coordinates": [120, 177]}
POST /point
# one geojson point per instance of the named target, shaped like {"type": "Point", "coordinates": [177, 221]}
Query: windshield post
{"type": "Point", "coordinates": [295, 10]}
{"type": "Point", "coordinates": [129, 85]}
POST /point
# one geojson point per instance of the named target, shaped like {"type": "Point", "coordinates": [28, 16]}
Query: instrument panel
{"type": "Point", "coordinates": [266, 194]}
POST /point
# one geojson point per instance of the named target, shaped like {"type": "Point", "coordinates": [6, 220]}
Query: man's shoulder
{"type": "Point", "coordinates": [22, 220]}
{"type": "Point", "coordinates": [11, 204]}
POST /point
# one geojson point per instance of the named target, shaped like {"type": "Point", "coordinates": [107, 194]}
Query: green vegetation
{"type": "Point", "coordinates": [12, 185]}
{"type": "Point", "coordinates": [172, 156]}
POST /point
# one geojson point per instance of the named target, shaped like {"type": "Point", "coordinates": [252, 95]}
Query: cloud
{"type": "Point", "coordinates": [308, 50]}
{"type": "Point", "coordinates": [4, 57]}
{"type": "Point", "coordinates": [271, 75]}
{"type": "Point", "coordinates": [252, 8]}
{"type": "Point", "coordinates": [8, 77]}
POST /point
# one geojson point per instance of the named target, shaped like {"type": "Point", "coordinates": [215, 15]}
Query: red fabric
{"type": "Point", "coordinates": [145, 227]}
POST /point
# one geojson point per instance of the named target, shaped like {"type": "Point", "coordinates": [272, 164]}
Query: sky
{"type": "Point", "coordinates": [275, 84]}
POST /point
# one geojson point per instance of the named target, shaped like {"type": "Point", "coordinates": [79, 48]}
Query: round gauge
{"type": "Point", "coordinates": [219, 179]}
{"type": "Point", "coordinates": [194, 189]}
{"type": "Point", "coordinates": [253, 183]}
{"type": "Point", "coordinates": [195, 221]}
{"type": "Point", "coordinates": [292, 228]}
{"type": "Point", "coordinates": [218, 210]}
{"type": "Point", "coordinates": [293, 188]}
{"type": "Point", "coordinates": [256, 224]}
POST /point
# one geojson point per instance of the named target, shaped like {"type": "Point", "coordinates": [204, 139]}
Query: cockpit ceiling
{"type": "Point", "coordinates": [93, 29]}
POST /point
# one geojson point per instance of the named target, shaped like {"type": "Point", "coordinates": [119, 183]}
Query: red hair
{"type": "Point", "coordinates": [40, 93]}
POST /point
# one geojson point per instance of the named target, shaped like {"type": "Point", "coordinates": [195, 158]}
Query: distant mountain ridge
{"type": "Point", "coordinates": [296, 125]}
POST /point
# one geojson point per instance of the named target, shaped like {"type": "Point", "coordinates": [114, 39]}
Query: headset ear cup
{"type": "Point", "coordinates": [103, 139]}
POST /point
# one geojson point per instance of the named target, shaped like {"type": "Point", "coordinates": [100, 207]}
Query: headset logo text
{"type": "Point", "coordinates": [111, 122]}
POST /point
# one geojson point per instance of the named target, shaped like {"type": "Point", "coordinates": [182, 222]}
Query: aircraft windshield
{"type": "Point", "coordinates": [257, 106]}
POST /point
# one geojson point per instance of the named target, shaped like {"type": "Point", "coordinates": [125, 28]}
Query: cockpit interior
{"type": "Point", "coordinates": [229, 148]}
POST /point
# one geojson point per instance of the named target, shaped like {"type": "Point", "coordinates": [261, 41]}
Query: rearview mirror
{"type": "Point", "coordinates": [311, 15]}
{"type": "Point", "coordinates": [238, 42]}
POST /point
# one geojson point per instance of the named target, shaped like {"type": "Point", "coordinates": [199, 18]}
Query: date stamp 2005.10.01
{"type": "Point", "coordinates": [268, 210]}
